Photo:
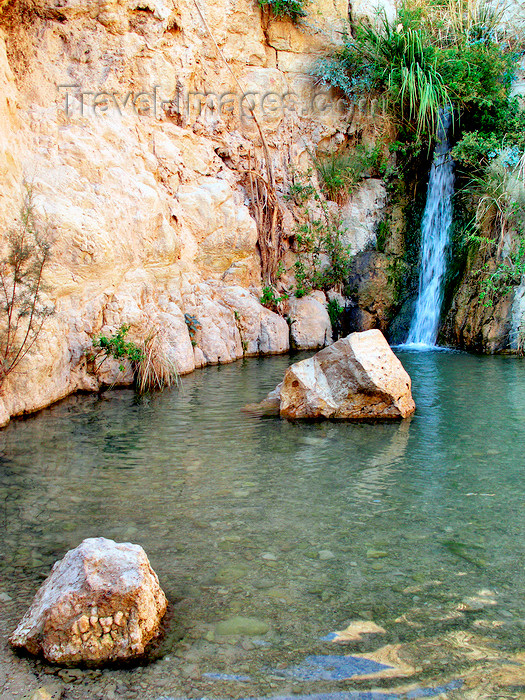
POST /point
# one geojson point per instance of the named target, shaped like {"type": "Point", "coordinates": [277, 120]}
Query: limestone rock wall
{"type": "Point", "coordinates": [128, 120]}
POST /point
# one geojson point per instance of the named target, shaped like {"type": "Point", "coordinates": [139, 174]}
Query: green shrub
{"type": "Point", "coordinates": [478, 74]}
{"type": "Point", "coordinates": [337, 175]}
{"type": "Point", "coordinates": [150, 358]}
{"type": "Point", "coordinates": [497, 281]}
{"type": "Point", "coordinates": [285, 9]}
{"type": "Point", "coordinates": [430, 57]}
{"type": "Point", "coordinates": [335, 311]}
{"type": "Point", "coordinates": [341, 172]}
{"type": "Point", "coordinates": [393, 59]}
{"type": "Point", "coordinates": [117, 347]}
{"type": "Point", "coordinates": [323, 256]}
{"type": "Point", "coordinates": [271, 299]}
{"type": "Point", "coordinates": [492, 131]}
{"type": "Point", "coordinates": [498, 193]}
{"type": "Point", "coordinates": [300, 191]}
{"type": "Point", "coordinates": [473, 150]}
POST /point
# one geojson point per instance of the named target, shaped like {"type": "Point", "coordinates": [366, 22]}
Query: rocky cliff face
{"type": "Point", "coordinates": [486, 325]}
{"type": "Point", "coordinates": [131, 122]}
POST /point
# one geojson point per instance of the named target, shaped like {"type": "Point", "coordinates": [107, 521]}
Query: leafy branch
{"type": "Point", "coordinates": [22, 287]}
{"type": "Point", "coordinates": [323, 255]}
{"type": "Point", "coordinates": [151, 360]}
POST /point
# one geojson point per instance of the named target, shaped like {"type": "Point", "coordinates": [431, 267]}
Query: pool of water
{"type": "Point", "coordinates": [269, 537]}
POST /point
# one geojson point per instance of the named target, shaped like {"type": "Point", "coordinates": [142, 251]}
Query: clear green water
{"type": "Point", "coordinates": [301, 526]}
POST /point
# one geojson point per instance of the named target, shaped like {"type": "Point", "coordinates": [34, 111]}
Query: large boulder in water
{"type": "Point", "coordinates": [358, 378]}
{"type": "Point", "coordinates": [102, 602]}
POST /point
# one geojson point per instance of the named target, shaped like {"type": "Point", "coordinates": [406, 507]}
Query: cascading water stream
{"type": "Point", "coordinates": [435, 238]}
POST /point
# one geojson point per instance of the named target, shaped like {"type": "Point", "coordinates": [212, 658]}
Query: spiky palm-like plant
{"type": "Point", "coordinates": [393, 59]}
{"type": "Point", "coordinates": [432, 55]}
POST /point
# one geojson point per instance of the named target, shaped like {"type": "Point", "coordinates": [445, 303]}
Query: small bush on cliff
{"type": "Point", "coordinates": [335, 310]}
{"type": "Point", "coordinates": [150, 358]}
{"type": "Point", "coordinates": [498, 282]}
{"type": "Point", "coordinates": [117, 347]}
{"type": "Point", "coordinates": [341, 172]}
{"type": "Point", "coordinates": [490, 132]}
{"type": "Point", "coordinates": [22, 287]}
{"type": "Point", "coordinates": [323, 255]}
{"type": "Point", "coordinates": [496, 193]}
{"type": "Point", "coordinates": [395, 60]}
{"type": "Point", "coordinates": [271, 299]}
{"type": "Point", "coordinates": [285, 9]}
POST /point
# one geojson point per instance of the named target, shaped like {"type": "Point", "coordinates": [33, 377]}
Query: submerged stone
{"type": "Point", "coordinates": [326, 554]}
{"type": "Point", "coordinates": [376, 554]}
{"type": "Point", "coordinates": [240, 625]}
{"type": "Point", "coordinates": [40, 694]}
{"type": "Point", "coordinates": [354, 631]}
{"type": "Point", "coordinates": [332, 668]}
{"type": "Point", "coordinates": [229, 574]}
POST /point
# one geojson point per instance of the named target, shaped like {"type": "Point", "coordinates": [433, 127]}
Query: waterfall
{"type": "Point", "coordinates": [435, 238]}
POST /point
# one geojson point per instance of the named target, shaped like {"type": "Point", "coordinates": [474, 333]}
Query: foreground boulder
{"type": "Point", "coordinates": [102, 602]}
{"type": "Point", "coordinates": [356, 378]}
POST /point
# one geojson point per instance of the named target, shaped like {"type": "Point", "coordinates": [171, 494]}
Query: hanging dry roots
{"type": "Point", "coordinates": [266, 211]}
{"type": "Point", "coordinates": [264, 203]}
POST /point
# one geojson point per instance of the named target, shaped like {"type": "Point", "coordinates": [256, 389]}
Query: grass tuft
{"type": "Point", "coordinates": [157, 368]}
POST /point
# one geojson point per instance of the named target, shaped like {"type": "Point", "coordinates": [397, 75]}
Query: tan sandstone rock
{"type": "Point", "coordinates": [361, 215]}
{"type": "Point", "coordinates": [102, 602]}
{"type": "Point", "coordinates": [356, 378]}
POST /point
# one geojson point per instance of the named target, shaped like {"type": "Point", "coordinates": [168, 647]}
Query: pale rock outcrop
{"type": "Point", "coordinates": [356, 378]}
{"type": "Point", "coordinates": [364, 10]}
{"type": "Point", "coordinates": [324, 25]}
{"type": "Point", "coordinates": [218, 336]}
{"type": "Point", "coordinates": [262, 331]}
{"type": "Point", "coordinates": [222, 227]}
{"type": "Point", "coordinates": [102, 602]}
{"type": "Point", "coordinates": [360, 215]}
{"type": "Point", "coordinates": [310, 326]}
{"type": "Point", "coordinates": [233, 323]}
{"type": "Point", "coordinates": [4, 414]}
